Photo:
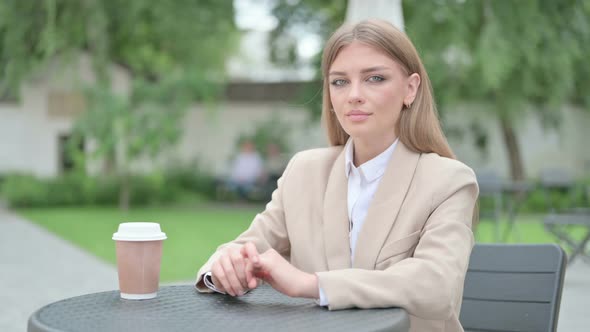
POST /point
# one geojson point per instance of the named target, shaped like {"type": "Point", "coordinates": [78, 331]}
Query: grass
{"type": "Point", "coordinates": [194, 233]}
{"type": "Point", "coordinates": [527, 229]}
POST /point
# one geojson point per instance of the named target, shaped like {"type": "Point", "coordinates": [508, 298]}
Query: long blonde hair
{"type": "Point", "coordinates": [418, 127]}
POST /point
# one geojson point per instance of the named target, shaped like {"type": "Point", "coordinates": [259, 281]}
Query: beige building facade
{"type": "Point", "coordinates": [33, 130]}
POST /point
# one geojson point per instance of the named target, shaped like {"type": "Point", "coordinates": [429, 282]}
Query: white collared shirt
{"type": "Point", "coordinates": [363, 182]}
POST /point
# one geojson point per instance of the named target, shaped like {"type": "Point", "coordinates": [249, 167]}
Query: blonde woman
{"type": "Point", "coordinates": [383, 217]}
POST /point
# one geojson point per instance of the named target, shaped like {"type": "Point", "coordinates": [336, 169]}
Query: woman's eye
{"type": "Point", "coordinates": [376, 79]}
{"type": "Point", "coordinates": [338, 82]}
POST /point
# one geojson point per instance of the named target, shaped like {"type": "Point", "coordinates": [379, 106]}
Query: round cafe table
{"type": "Point", "coordinates": [182, 308]}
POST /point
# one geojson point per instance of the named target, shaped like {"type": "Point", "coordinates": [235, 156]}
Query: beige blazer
{"type": "Point", "coordinates": [412, 251]}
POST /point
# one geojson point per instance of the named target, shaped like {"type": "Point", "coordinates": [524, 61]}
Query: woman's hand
{"type": "Point", "coordinates": [229, 271]}
{"type": "Point", "coordinates": [280, 274]}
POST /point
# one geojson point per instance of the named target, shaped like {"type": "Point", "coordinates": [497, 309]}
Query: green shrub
{"type": "Point", "coordinates": [192, 178]}
{"type": "Point", "coordinates": [71, 189]}
{"type": "Point", "coordinates": [152, 188]}
{"type": "Point", "coordinates": [535, 202]}
{"type": "Point", "coordinates": [541, 201]}
{"type": "Point", "coordinates": [106, 190]}
{"type": "Point", "coordinates": [24, 190]}
{"type": "Point", "coordinates": [21, 190]}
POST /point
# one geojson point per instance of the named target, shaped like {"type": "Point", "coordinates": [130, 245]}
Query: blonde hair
{"type": "Point", "coordinates": [418, 127]}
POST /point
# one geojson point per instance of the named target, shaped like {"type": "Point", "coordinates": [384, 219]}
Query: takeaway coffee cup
{"type": "Point", "coordinates": [139, 254]}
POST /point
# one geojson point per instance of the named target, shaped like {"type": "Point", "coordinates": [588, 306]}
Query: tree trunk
{"type": "Point", "coordinates": [122, 167]}
{"type": "Point", "coordinates": [514, 156]}
{"type": "Point", "coordinates": [109, 166]}
{"type": "Point", "coordinates": [124, 193]}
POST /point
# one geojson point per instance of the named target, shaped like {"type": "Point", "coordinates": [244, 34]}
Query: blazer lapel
{"type": "Point", "coordinates": [335, 223]}
{"type": "Point", "coordinates": [385, 206]}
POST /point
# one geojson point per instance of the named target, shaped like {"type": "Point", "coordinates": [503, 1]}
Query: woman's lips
{"type": "Point", "coordinates": [357, 116]}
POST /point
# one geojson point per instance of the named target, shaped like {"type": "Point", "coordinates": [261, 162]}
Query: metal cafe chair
{"type": "Point", "coordinates": [513, 287]}
{"type": "Point", "coordinates": [557, 225]}
{"type": "Point", "coordinates": [562, 217]}
{"type": "Point", "coordinates": [490, 190]}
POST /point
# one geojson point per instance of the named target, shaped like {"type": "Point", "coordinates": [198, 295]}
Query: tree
{"type": "Point", "coordinates": [149, 38]}
{"type": "Point", "coordinates": [174, 51]}
{"type": "Point", "coordinates": [298, 17]}
{"type": "Point", "coordinates": [504, 55]}
{"type": "Point", "coordinates": [127, 128]}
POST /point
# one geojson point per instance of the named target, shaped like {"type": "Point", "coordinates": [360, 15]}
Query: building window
{"type": "Point", "coordinates": [68, 151]}
{"type": "Point", "coordinates": [65, 104]}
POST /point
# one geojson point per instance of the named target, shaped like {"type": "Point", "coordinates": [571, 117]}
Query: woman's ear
{"type": "Point", "coordinates": [413, 85]}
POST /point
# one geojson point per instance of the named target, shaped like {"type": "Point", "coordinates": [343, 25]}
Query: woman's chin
{"type": "Point", "coordinates": [358, 133]}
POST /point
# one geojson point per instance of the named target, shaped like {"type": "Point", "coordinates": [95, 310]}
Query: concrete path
{"type": "Point", "coordinates": [574, 314]}
{"type": "Point", "coordinates": [37, 268]}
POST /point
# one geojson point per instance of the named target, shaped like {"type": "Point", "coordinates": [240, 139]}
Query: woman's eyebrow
{"type": "Point", "coordinates": [372, 69]}
{"type": "Point", "coordinates": [366, 70]}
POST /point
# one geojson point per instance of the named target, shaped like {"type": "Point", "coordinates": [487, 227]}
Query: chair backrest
{"type": "Point", "coordinates": [513, 287]}
{"type": "Point", "coordinates": [556, 178]}
{"type": "Point", "coordinates": [490, 186]}
{"type": "Point", "coordinates": [489, 182]}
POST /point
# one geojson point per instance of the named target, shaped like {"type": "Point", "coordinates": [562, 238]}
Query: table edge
{"type": "Point", "coordinates": [34, 324]}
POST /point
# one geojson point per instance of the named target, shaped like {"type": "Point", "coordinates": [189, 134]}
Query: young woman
{"type": "Point", "coordinates": [380, 219]}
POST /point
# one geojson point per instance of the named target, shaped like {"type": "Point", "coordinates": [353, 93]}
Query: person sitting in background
{"type": "Point", "coordinates": [275, 163]}
{"type": "Point", "coordinates": [246, 170]}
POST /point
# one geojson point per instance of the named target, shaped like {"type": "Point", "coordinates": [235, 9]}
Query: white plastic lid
{"type": "Point", "coordinates": [139, 231]}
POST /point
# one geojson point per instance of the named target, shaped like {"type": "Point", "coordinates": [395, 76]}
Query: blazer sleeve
{"type": "Point", "coordinates": [267, 230]}
{"type": "Point", "coordinates": [426, 284]}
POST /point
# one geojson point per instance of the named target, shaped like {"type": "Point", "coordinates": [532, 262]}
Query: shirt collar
{"type": "Point", "coordinates": [372, 169]}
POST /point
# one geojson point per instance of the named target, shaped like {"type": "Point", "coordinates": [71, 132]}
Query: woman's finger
{"type": "Point", "coordinates": [235, 287]}
{"type": "Point", "coordinates": [219, 278]}
{"type": "Point", "coordinates": [249, 251]}
{"type": "Point", "coordinates": [217, 283]}
{"type": "Point", "coordinates": [263, 267]}
{"type": "Point", "coordinates": [239, 265]}
{"type": "Point", "coordinates": [251, 280]}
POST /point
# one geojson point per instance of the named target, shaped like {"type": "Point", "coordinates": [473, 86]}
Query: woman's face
{"type": "Point", "coordinates": [368, 90]}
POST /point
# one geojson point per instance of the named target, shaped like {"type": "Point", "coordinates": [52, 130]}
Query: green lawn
{"type": "Point", "coordinates": [527, 229]}
{"type": "Point", "coordinates": [194, 233]}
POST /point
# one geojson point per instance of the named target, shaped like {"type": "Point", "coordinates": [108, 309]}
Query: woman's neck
{"type": "Point", "coordinates": [367, 149]}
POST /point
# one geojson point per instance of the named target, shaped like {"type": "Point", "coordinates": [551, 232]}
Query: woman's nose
{"type": "Point", "coordinates": [355, 94]}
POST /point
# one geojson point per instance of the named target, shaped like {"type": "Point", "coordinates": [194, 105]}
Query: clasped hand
{"type": "Point", "coordinates": [241, 268]}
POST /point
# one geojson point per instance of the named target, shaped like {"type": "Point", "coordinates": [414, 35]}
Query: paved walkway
{"type": "Point", "coordinates": [574, 314]}
{"type": "Point", "coordinates": [37, 268]}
